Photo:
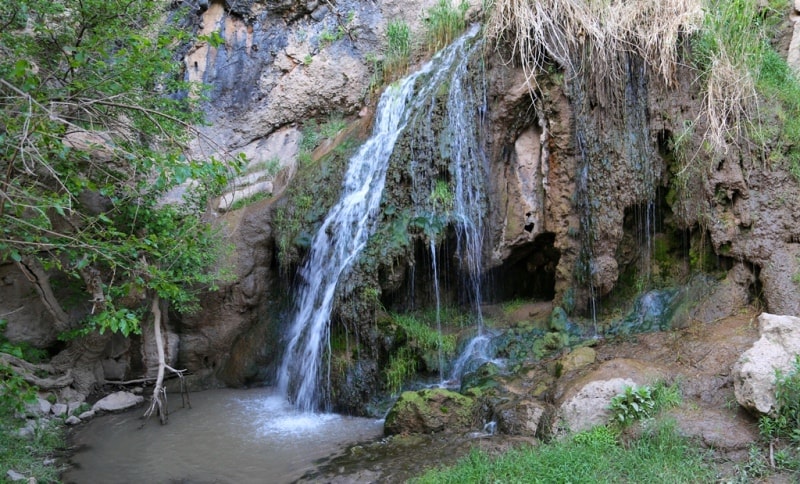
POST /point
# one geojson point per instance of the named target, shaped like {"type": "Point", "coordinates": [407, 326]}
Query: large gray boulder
{"type": "Point", "coordinates": [117, 401]}
{"type": "Point", "coordinates": [754, 372]}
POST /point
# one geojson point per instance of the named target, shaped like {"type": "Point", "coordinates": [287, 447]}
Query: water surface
{"type": "Point", "coordinates": [242, 436]}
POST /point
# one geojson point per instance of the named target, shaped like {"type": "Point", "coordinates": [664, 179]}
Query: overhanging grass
{"type": "Point", "coordinates": [659, 455]}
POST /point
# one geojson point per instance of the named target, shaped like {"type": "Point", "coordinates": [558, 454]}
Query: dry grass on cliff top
{"type": "Point", "coordinates": [594, 33]}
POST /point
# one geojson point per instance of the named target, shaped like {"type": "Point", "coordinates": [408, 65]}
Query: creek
{"type": "Point", "coordinates": [242, 436]}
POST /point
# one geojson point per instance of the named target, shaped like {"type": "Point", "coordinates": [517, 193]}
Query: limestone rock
{"type": "Point", "coordinates": [431, 410]}
{"type": "Point", "coordinates": [72, 420]}
{"type": "Point", "coordinates": [87, 415]}
{"type": "Point", "coordinates": [117, 401]}
{"type": "Point", "coordinates": [583, 404]}
{"type": "Point", "coordinates": [59, 409]}
{"type": "Point", "coordinates": [39, 408]}
{"type": "Point", "coordinates": [15, 476]}
{"type": "Point", "coordinates": [520, 417]}
{"type": "Point", "coordinates": [754, 372]}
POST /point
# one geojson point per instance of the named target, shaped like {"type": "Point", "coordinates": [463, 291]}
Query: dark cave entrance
{"type": "Point", "coordinates": [528, 273]}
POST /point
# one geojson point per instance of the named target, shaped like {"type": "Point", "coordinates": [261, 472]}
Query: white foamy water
{"type": "Point", "coordinates": [228, 436]}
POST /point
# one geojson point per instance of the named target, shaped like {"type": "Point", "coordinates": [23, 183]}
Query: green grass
{"type": "Point", "coordinates": [27, 455]}
{"type": "Point", "coordinates": [658, 455]}
{"type": "Point", "coordinates": [443, 23]}
{"type": "Point", "coordinates": [398, 51]}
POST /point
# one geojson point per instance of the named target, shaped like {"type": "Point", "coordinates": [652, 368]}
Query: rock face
{"type": "Point", "coordinates": [432, 410]}
{"type": "Point", "coordinates": [754, 372]}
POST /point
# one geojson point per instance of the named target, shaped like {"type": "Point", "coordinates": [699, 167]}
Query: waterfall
{"type": "Point", "coordinates": [346, 228]}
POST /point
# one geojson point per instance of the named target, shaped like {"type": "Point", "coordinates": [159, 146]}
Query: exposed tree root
{"type": "Point", "coordinates": [158, 402]}
{"type": "Point", "coordinates": [28, 371]}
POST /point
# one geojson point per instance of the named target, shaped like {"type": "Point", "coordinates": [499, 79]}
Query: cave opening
{"type": "Point", "coordinates": [528, 273]}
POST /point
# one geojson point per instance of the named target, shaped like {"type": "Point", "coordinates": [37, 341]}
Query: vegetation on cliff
{"type": "Point", "coordinates": [95, 126]}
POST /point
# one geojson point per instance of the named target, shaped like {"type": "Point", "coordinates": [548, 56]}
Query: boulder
{"type": "Point", "coordinates": [754, 372]}
{"type": "Point", "coordinates": [584, 403]}
{"type": "Point", "coordinates": [59, 409]}
{"type": "Point", "coordinates": [72, 420]}
{"type": "Point", "coordinates": [577, 358]}
{"type": "Point", "coordinates": [431, 410]}
{"type": "Point", "coordinates": [117, 401]}
{"type": "Point", "coordinates": [38, 408]}
{"type": "Point", "coordinates": [520, 417]}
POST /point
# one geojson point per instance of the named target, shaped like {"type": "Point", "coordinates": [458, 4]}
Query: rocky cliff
{"type": "Point", "coordinates": [588, 203]}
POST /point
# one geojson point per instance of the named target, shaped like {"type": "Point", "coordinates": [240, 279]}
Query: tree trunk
{"type": "Point", "coordinates": [159, 399]}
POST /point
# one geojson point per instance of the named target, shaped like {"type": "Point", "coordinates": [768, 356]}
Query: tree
{"type": "Point", "coordinates": [94, 122]}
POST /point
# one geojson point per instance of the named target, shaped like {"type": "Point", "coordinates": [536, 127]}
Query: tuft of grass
{"type": "Point", "coordinates": [402, 366]}
{"type": "Point", "coordinates": [333, 126]}
{"type": "Point", "coordinates": [398, 51]}
{"type": "Point", "coordinates": [660, 454]}
{"type": "Point", "coordinates": [443, 23]}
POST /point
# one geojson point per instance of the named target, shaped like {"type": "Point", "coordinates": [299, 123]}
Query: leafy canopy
{"type": "Point", "coordinates": [94, 121]}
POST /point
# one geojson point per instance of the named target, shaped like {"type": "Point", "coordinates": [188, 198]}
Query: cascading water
{"type": "Point", "coordinates": [346, 228]}
{"type": "Point", "coordinates": [455, 121]}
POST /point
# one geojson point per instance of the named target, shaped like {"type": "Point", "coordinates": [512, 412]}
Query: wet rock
{"type": "Point", "coordinates": [117, 401]}
{"type": "Point", "coordinates": [520, 417]}
{"type": "Point", "coordinates": [72, 420]}
{"type": "Point", "coordinates": [431, 410]}
{"type": "Point", "coordinates": [583, 403]}
{"type": "Point", "coordinates": [754, 372]}
{"type": "Point", "coordinates": [87, 415]}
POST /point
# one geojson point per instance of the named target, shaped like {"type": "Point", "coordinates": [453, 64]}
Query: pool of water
{"type": "Point", "coordinates": [241, 436]}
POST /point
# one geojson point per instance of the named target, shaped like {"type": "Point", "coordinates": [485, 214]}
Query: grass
{"type": "Point", "coordinates": [27, 456]}
{"type": "Point", "coordinates": [443, 23]}
{"type": "Point", "coordinates": [238, 204]}
{"type": "Point", "coordinates": [658, 455]}
{"type": "Point", "coordinates": [566, 30]}
{"type": "Point", "coordinates": [398, 52]}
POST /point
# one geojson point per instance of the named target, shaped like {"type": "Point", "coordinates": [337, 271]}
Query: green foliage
{"type": "Point", "coordinates": [639, 403]}
{"type": "Point", "coordinates": [95, 119]}
{"type": "Point", "coordinates": [327, 37]}
{"type": "Point", "coordinates": [402, 366]}
{"type": "Point", "coordinates": [442, 196]}
{"type": "Point", "coordinates": [660, 454]}
{"type": "Point", "coordinates": [785, 422]}
{"type": "Point", "coordinates": [420, 341]}
{"type": "Point", "coordinates": [443, 23]}
{"type": "Point", "coordinates": [15, 392]}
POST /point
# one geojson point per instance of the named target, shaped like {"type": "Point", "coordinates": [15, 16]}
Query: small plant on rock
{"type": "Point", "coordinates": [632, 405]}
